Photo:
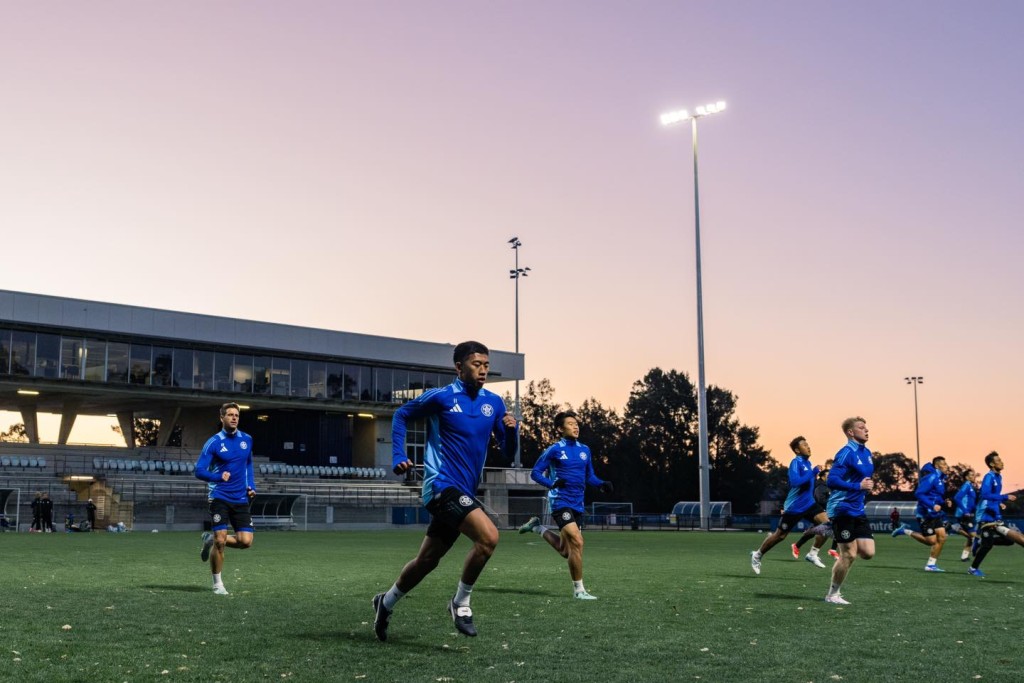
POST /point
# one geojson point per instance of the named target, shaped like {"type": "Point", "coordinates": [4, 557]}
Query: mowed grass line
{"type": "Point", "coordinates": [673, 607]}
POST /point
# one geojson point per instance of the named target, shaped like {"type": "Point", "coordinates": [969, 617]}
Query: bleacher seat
{"type": "Point", "coordinates": [33, 462]}
{"type": "Point", "coordinates": [5, 461]}
{"type": "Point", "coordinates": [42, 462]}
{"type": "Point", "coordinates": [263, 468]}
{"type": "Point", "coordinates": [277, 468]}
{"type": "Point", "coordinates": [24, 461]}
{"type": "Point", "coordinates": [175, 467]}
{"type": "Point", "coordinates": [97, 464]}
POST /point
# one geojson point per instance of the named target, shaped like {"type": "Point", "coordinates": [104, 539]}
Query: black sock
{"type": "Point", "coordinates": [980, 555]}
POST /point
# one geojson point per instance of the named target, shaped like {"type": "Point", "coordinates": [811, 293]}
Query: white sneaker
{"type": "Point", "coordinates": [584, 595]}
{"type": "Point", "coordinates": [815, 560]}
{"type": "Point", "coordinates": [836, 599]}
{"type": "Point", "coordinates": [755, 562]}
{"type": "Point", "coordinates": [219, 589]}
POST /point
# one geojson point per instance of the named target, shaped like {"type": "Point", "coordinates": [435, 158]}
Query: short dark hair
{"type": "Point", "coordinates": [562, 416]}
{"type": "Point", "coordinates": [467, 349]}
{"type": "Point", "coordinates": [795, 442]}
{"type": "Point", "coordinates": [937, 459]}
{"type": "Point", "coordinates": [224, 408]}
{"type": "Point", "coordinates": [990, 457]}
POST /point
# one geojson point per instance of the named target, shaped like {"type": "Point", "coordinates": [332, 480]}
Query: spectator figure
{"type": "Point", "coordinates": [894, 518]}
{"type": "Point", "coordinates": [90, 511]}
{"type": "Point", "coordinates": [46, 510]}
{"type": "Point", "coordinates": [37, 513]}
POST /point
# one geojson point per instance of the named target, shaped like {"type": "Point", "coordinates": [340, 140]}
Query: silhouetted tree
{"type": "Point", "coordinates": [895, 475]}
{"type": "Point", "coordinates": [16, 434]}
{"type": "Point", "coordinates": [146, 432]}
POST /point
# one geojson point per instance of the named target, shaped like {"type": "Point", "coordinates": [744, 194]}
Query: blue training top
{"type": "Point", "coordinates": [801, 483]}
{"type": "Point", "coordinates": [231, 453]}
{"type": "Point", "coordinates": [570, 460]}
{"type": "Point", "coordinates": [966, 499]}
{"type": "Point", "coordinates": [851, 466]}
{"type": "Point", "coordinates": [930, 491]}
{"type": "Point", "coordinates": [989, 498]}
{"type": "Point", "coordinates": [459, 428]}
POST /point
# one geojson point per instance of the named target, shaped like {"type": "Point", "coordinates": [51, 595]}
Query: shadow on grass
{"type": "Point", "coordinates": [366, 638]}
{"type": "Point", "coordinates": [783, 596]}
{"type": "Point", "coordinates": [522, 591]}
{"type": "Point", "coordinates": [176, 587]}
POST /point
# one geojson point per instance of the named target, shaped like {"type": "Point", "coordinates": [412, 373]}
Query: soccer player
{"type": "Point", "coordinates": [930, 494]}
{"type": "Point", "coordinates": [800, 504]}
{"type": "Point", "coordinates": [821, 494]}
{"type": "Point", "coordinates": [989, 515]}
{"type": "Point", "coordinates": [566, 468]}
{"type": "Point", "coordinates": [966, 501]}
{"type": "Point", "coordinates": [226, 463]}
{"type": "Point", "coordinates": [850, 480]}
{"type": "Point", "coordinates": [460, 420]}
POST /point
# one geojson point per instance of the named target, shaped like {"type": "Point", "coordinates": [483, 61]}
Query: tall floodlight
{"type": "Point", "coordinates": [917, 432]}
{"type": "Point", "coordinates": [515, 274]}
{"type": "Point", "coordinates": [671, 119]}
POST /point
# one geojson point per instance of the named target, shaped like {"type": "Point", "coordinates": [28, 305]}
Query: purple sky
{"type": "Point", "coordinates": [359, 166]}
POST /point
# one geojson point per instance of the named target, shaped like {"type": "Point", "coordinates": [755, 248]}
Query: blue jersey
{"type": "Point", "coordinates": [851, 466]}
{"type": "Point", "coordinates": [232, 453]}
{"type": "Point", "coordinates": [966, 499]}
{"type": "Point", "coordinates": [801, 486]}
{"type": "Point", "coordinates": [989, 498]}
{"type": "Point", "coordinates": [930, 491]}
{"type": "Point", "coordinates": [569, 460]}
{"type": "Point", "coordinates": [459, 427]}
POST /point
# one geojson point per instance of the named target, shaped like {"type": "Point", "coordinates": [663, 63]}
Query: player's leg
{"type": "Point", "coordinates": [933, 556]}
{"type": "Point", "coordinates": [572, 541]}
{"type": "Point", "coordinates": [785, 524]}
{"type": "Point", "coordinates": [840, 569]}
{"type": "Point", "coordinates": [479, 529]}
{"type": "Point", "coordinates": [819, 519]}
{"type": "Point", "coordinates": [438, 541]}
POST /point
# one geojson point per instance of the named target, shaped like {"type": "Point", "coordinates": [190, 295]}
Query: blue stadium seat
{"type": "Point", "coordinates": [5, 461]}
{"type": "Point", "coordinates": [133, 465]}
{"type": "Point", "coordinates": [97, 464]}
{"type": "Point", "coordinates": [121, 466]}
{"type": "Point", "coordinates": [176, 466]}
{"type": "Point", "coordinates": [42, 462]}
{"type": "Point", "coordinates": [23, 461]}
{"type": "Point", "coordinates": [33, 462]}
{"type": "Point", "coordinates": [263, 468]}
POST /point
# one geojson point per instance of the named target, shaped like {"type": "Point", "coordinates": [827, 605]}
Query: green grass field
{"type": "Point", "coordinates": [673, 607]}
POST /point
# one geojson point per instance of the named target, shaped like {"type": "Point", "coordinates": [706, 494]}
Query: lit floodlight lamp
{"type": "Point", "coordinates": [673, 117]}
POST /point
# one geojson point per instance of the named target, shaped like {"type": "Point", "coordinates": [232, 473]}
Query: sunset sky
{"type": "Point", "coordinates": [360, 166]}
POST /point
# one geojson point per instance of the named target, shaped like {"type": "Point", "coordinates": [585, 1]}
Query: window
{"type": "Point", "coordinates": [204, 370]}
{"type": "Point", "coordinates": [47, 356]}
{"type": "Point", "coordinates": [317, 380]}
{"type": "Point", "coordinates": [117, 363]}
{"type": "Point", "coordinates": [72, 353]}
{"type": "Point", "coordinates": [416, 440]}
{"type": "Point", "coordinates": [163, 363]}
{"type": "Point", "coordinates": [5, 351]}
{"type": "Point", "coordinates": [261, 366]}
{"type": "Point", "coordinates": [335, 380]}
{"type": "Point", "coordinates": [141, 364]}
{"type": "Point", "coordinates": [385, 376]}
{"type": "Point", "coordinates": [184, 368]}
{"type": "Point", "coordinates": [300, 378]}
{"type": "Point", "coordinates": [95, 360]}
{"type": "Point", "coordinates": [242, 375]}
{"type": "Point", "coordinates": [23, 353]}
{"type": "Point", "coordinates": [280, 374]}
{"type": "Point", "coordinates": [222, 372]}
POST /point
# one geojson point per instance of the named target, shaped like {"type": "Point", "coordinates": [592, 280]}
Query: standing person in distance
{"type": "Point", "coordinates": [460, 420]}
{"type": "Point", "coordinates": [46, 509]}
{"type": "Point", "coordinates": [800, 504]}
{"type": "Point", "coordinates": [37, 512]}
{"type": "Point", "coordinates": [991, 502]}
{"type": "Point", "coordinates": [850, 480]}
{"type": "Point", "coordinates": [226, 464]}
{"type": "Point", "coordinates": [966, 501]}
{"type": "Point", "coordinates": [931, 495]}
{"type": "Point", "coordinates": [90, 511]}
{"type": "Point", "coordinates": [566, 468]}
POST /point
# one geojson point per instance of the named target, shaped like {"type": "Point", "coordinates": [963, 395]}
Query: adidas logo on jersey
{"type": "Point", "coordinates": [564, 456]}
{"type": "Point", "coordinates": [223, 448]}
{"type": "Point", "coordinates": [455, 409]}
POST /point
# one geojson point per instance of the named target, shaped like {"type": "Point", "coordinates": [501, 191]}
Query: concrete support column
{"type": "Point", "coordinates": [31, 421]}
{"type": "Point", "coordinates": [126, 420]}
{"type": "Point", "coordinates": [67, 421]}
{"type": "Point", "coordinates": [168, 418]}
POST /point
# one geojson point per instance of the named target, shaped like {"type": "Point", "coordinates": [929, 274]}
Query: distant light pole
{"type": "Point", "coordinates": [670, 119]}
{"type": "Point", "coordinates": [917, 432]}
{"type": "Point", "coordinates": [515, 275]}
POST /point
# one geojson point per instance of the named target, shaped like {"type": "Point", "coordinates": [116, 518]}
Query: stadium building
{"type": "Point", "coordinates": [318, 403]}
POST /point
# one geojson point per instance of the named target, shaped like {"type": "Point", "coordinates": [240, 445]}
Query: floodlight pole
{"type": "Point", "coordinates": [702, 398]}
{"type": "Point", "coordinates": [917, 431]}
{"type": "Point", "coordinates": [517, 409]}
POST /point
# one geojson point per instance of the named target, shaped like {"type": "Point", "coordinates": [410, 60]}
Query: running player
{"type": "Point", "coordinates": [850, 480]}
{"type": "Point", "coordinates": [966, 501]}
{"type": "Point", "coordinates": [931, 495]}
{"type": "Point", "coordinates": [991, 501]}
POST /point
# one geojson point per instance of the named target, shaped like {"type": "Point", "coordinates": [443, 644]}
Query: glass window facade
{"type": "Point", "coordinates": [52, 356]}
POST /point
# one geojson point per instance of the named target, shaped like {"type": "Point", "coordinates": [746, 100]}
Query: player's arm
{"type": "Point", "coordinates": [799, 476]}
{"type": "Point", "coordinates": [505, 430]}
{"type": "Point", "coordinates": [540, 469]}
{"type": "Point", "coordinates": [202, 468]}
{"type": "Point", "coordinates": [422, 405]}
{"type": "Point", "coordinates": [250, 477]}
{"type": "Point", "coordinates": [837, 475]}
{"type": "Point", "coordinates": [988, 491]}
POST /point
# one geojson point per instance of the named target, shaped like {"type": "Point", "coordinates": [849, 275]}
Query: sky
{"type": "Point", "coordinates": [360, 167]}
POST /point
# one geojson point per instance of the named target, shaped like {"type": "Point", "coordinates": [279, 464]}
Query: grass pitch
{"type": "Point", "coordinates": [674, 606]}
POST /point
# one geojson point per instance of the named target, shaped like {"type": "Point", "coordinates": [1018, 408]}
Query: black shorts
{"type": "Point", "coordinates": [788, 521]}
{"type": "Point", "coordinates": [929, 525]}
{"type": "Point", "coordinates": [565, 516]}
{"type": "Point", "coordinates": [447, 510]}
{"type": "Point", "coordinates": [989, 535]}
{"type": "Point", "coordinates": [967, 523]}
{"type": "Point", "coordinates": [238, 514]}
{"type": "Point", "coordinates": [846, 529]}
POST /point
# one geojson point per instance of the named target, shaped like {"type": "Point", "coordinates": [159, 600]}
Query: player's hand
{"type": "Point", "coordinates": [251, 493]}
{"type": "Point", "coordinates": [607, 487]}
{"type": "Point", "coordinates": [224, 476]}
{"type": "Point", "coordinates": [937, 507]}
{"type": "Point", "coordinates": [867, 484]}
{"type": "Point", "coordinates": [815, 471]}
{"type": "Point", "coordinates": [402, 467]}
{"type": "Point", "coordinates": [1011, 497]}
{"type": "Point", "coordinates": [509, 421]}
{"type": "Point", "coordinates": [559, 484]}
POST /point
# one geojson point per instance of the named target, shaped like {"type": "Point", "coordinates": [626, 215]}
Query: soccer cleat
{"type": "Point", "coordinates": [836, 599]}
{"type": "Point", "coordinates": [755, 562]}
{"type": "Point", "coordinates": [462, 618]}
{"type": "Point", "coordinates": [975, 572]}
{"type": "Point", "coordinates": [833, 554]}
{"type": "Point", "coordinates": [204, 554]}
{"type": "Point", "coordinates": [933, 568]}
{"type": "Point", "coordinates": [219, 589]}
{"type": "Point", "coordinates": [530, 525]}
{"type": "Point", "coordinates": [813, 559]}
{"type": "Point", "coordinates": [796, 551]}
{"type": "Point", "coordinates": [901, 530]}
{"type": "Point", "coordinates": [584, 595]}
{"type": "Point", "coordinates": [381, 618]}
{"type": "Point", "coordinates": [965, 555]}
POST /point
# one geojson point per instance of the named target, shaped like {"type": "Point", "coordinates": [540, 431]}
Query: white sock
{"type": "Point", "coordinates": [540, 529]}
{"type": "Point", "coordinates": [577, 587]}
{"type": "Point", "coordinates": [833, 588]}
{"type": "Point", "coordinates": [813, 552]}
{"type": "Point", "coordinates": [757, 554]}
{"type": "Point", "coordinates": [931, 562]}
{"type": "Point", "coordinates": [461, 598]}
{"type": "Point", "coordinates": [392, 596]}
{"type": "Point", "coordinates": [217, 581]}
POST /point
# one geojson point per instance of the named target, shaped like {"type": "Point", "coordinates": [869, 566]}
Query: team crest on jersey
{"type": "Point", "coordinates": [583, 456]}
{"type": "Point", "coordinates": [784, 526]}
{"type": "Point", "coordinates": [243, 445]}
{"type": "Point", "coordinates": [487, 409]}
{"type": "Point", "coordinates": [465, 501]}
{"type": "Point", "coordinates": [216, 518]}
{"type": "Point", "coordinates": [566, 516]}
